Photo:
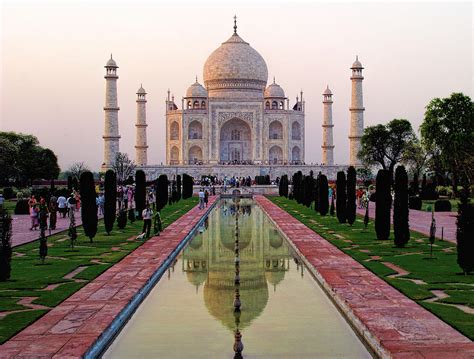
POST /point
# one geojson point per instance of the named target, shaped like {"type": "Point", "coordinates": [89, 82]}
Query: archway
{"type": "Point", "coordinates": [174, 155]}
{"type": "Point", "coordinates": [195, 130]}
{"type": "Point", "coordinates": [275, 131]}
{"type": "Point", "coordinates": [296, 154]}
{"type": "Point", "coordinates": [174, 131]}
{"type": "Point", "coordinates": [275, 155]}
{"type": "Point", "coordinates": [195, 155]}
{"type": "Point", "coordinates": [295, 131]}
{"type": "Point", "coordinates": [235, 141]}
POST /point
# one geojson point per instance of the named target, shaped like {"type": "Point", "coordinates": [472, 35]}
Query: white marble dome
{"type": "Point", "coordinates": [274, 90]}
{"type": "Point", "coordinates": [357, 64]}
{"type": "Point", "coordinates": [111, 62]}
{"type": "Point", "coordinates": [196, 90]}
{"type": "Point", "coordinates": [235, 67]}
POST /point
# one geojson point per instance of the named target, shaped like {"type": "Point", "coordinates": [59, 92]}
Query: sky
{"type": "Point", "coordinates": [53, 55]}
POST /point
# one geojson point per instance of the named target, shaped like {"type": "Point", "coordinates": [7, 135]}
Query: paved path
{"type": "Point", "coordinates": [395, 325]}
{"type": "Point", "coordinates": [21, 225]}
{"type": "Point", "coordinates": [68, 330]}
{"type": "Point", "coordinates": [420, 221]}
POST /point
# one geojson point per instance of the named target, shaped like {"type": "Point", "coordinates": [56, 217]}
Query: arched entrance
{"type": "Point", "coordinates": [275, 155]}
{"type": "Point", "coordinates": [195, 155]}
{"type": "Point", "coordinates": [174, 154]}
{"type": "Point", "coordinates": [235, 142]}
{"type": "Point", "coordinates": [296, 155]}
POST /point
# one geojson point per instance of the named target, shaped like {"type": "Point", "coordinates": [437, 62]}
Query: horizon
{"type": "Point", "coordinates": [430, 56]}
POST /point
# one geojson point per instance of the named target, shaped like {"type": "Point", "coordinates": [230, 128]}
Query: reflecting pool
{"type": "Point", "coordinates": [193, 310]}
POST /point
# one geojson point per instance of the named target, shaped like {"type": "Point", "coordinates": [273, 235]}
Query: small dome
{"type": "Point", "coordinates": [111, 62]}
{"type": "Point", "coordinates": [357, 64]}
{"type": "Point", "coordinates": [327, 91]}
{"type": "Point", "coordinates": [274, 90]}
{"type": "Point", "coordinates": [196, 90]}
{"type": "Point", "coordinates": [141, 91]}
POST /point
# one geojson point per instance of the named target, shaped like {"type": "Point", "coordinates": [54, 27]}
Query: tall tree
{"type": "Point", "coordinates": [383, 204]}
{"type": "Point", "coordinates": [448, 129]}
{"type": "Point", "coordinates": [465, 229]}
{"type": "Point", "coordinates": [386, 144]}
{"type": "Point", "coordinates": [351, 195]}
{"type": "Point", "coordinates": [178, 186]}
{"type": "Point", "coordinates": [401, 229]}
{"type": "Point", "coordinates": [161, 192]}
{"type": "Point", "coordinates": [5, 244]}
{"type": "Point", "coordinates": [323, 195]}
{"type": "Point", "coordinates": [140, 192]}
{"type": "Point", "coordinates": [77, 169]}
{"type": "Point", "coordinates": [89, 204]}
{"type": "Point", "coordinates": [341, 197]}
{"type": "Point", "coordinates": [123, 167]}
{"type": "Point", "coordinates": [110, 197]}
{"type": "Point", "coordinates": [284, 186]}
{"type": "Point", "coordinates": [187, 186]}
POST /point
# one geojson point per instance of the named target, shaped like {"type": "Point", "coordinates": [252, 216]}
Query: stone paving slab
{"type": "Point", "coordinates": [420, 221]}
{"type": "Point", "coordinates": [394, 325]}
{"type": "Point", "coordinates": [71, 328]}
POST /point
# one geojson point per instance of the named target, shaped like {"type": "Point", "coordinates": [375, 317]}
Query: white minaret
{"type": "Point", "coordinates": [141, 146]}
{"type": "Point", "coordinates": [111, 130]}
{"type": "Point", "coordinates": [328, 146]}
{"type": "Point", "coordinates": [357, 113]}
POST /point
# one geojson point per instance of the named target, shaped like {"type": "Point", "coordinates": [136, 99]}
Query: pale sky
{"type": "Point", "coordinates": [54, 52]}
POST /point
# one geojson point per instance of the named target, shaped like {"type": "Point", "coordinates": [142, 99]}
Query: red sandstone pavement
{"type": "Point", "coordinates": [398, 326]}
{"type": "Point", "coordinates": [68, 330]}
{"type": "Point", "coordinates": [420, 221]}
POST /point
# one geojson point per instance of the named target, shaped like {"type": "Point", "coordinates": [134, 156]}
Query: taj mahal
{"type": "Point", "coordinates": [234, 124]}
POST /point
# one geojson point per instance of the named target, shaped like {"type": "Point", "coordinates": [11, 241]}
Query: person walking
{"type": "Point", "coordinates": [101, 203]}
{"type": "Point", "coordinates": [34, 217]}
{"type": "Point", "coordinates": [147, 214]}
{"type": "Point", "coordinates": [53, 208]}
{"type": "Point", "coordinates": [201, 198]}
{"type": "Point", "coordinates": [62, 205]}
{"type": "Point", "coordinates": [206, 197]}
{"type": "Point", "coordinates": [71, 204]}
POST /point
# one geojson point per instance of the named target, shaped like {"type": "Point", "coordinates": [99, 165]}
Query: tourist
{"type": "Point", "coordinates": [53, 208]}
{"type": "Point", "coordinates": [130, 196]}
{"type": "Point", "coordinates": [77, 197]}
{"type": "Point", "coordinates": [34, 217]}
{"type": "Point", "coordinates": [206, 197]}
{"type": "Point", "coordinates": [201, 198]}
{"type": "Point", "coordinates": [101, 203]}
{"type": "Point", "coordinates": [32, 201]}
{"type": "Point", "coordinates": [71, 205]}
{"type": "Point", "coordinates": [43, 214]}
{"type": "Point", "coordinates": [62, 205]}
{"type": "Point", "coordinates": [2, 200]}
{"type": "Point", "coordinates": [147, 214]}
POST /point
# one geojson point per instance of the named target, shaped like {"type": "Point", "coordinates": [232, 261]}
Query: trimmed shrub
{"type": "Point", "coordinates": [298, 186]}
{"type": "Point", "coordinates": [187, 186]}
{"type": "Point", "coordinates": [308, 185]}
{"type": "Point", "coordinates": [161, 192]}
{"type": "Point", "coordinates": [283, 189]}
{"type": "Point", "coordinates": [122, 219]}
{"type": "Point", "coordinates": [110, 197]}
{"type": "Point", "coordinates": [442, 205]}
{"type": "Point", "coordinates": [8, 193]}
{"type": "Point", "coordinates": [5, 245]}
{"type": "Point", "coordinates": [89, 205]}
{"type": "Point", "coordinates": [178, 187]}
{"type": "Point", "coordinates": [331, 211]}
{"type": "Point", "coordinates": [316, 193]}
{"type": "Point", "coordinates": [341, 197]}
{"type": "Point", "coordinates": [415, 203]}
{"type": "Point", "coordinates": [140, 192]}
{"type": "Point", "coordinates": [401, 228]}
{"type": "Point", "coordinates": [383, 203]}
{"type": "Point", "coordinates": [131, 215]}
{"type": "Point", "coordinates": [323, 195]}
{"type": "Point", "coordinates": [22, 207]}
{"type": "Point", "coordinates": [351, 195]}
{"type": "Point", "coordinates": [465, 229]}
{"type": "Point", "coordinates": [372, 197]}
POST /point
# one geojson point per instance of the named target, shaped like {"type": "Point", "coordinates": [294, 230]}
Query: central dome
{"type": "Point", "coordinates": [235, 69]}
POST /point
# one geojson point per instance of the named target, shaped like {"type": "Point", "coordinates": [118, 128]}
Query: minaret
{"type": "Point", "coordinates": [141, 146]}
{"type": "Point", "coordinates": [328, 147]}
{"type": "Point", "coordinates": [357, 113]}
{"type": "Point", "coordinates": [111, 130]}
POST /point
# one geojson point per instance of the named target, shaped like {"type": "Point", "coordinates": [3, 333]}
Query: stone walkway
{"type": "Point", "coordinates": [394, 325]}
{"type": "Point", "coordinates": [21, 225]}
{"type": "Point", "coordinates": [420, 221]}
{"type": "Point", "coordinates": [70, 329]}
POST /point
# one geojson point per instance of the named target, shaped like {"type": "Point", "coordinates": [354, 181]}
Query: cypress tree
{"type": "Point", "coordinates": [140, 192]}
{"type": "Point", "coordinates": [401, 228]}
{"type": "Point", "coordinates": [187, 186]}
{"type": "Point", "coordinates": [5, 245]}
{"type": "Point", "coordinates": [341, 197]}
{"type": "Point", "coordinates": [351, 195]}
{"type": "Point", "coordinates": [383, 203]}
{"type": "Point", "coordinates": [308, 182]}
{"type": "Point", "coordinates": [75, 185]}
{"type": "Point", "coordinates": [316, 193]}
{"type": "Point", "coordinates": [89, 205]}
{"type": "Point", "coordinates": [323, 195]}
{"type": "Point", "coordinates": [465, 229]}
{"type": "Point", "coordinates": [284, 185]}
{"type": "Point", "coordinates": [161, 192]}
{"type": "Point", "coordinates": [122, 218]}
{"type": "Point", "coordinates": [331, 211]}
{"type": "Point", "coordinates": [110, 196]}
{"type": "Point", "coordinates": [178, 187]}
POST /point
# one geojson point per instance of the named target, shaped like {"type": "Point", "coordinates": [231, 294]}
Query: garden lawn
{"type": "Point", "coordinates": [428, 205]}
{"type": "Point", "coordinates": [45, 286]}
{"type": "Point", "coordinates": [439, 273]}
{"type": "Point", "coordinates": [9, 205]}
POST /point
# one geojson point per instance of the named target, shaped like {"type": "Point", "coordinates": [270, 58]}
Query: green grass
{"type": "Point", "coordinates": [427, 205]}
{"type": "Point", "coordinates": [441, 273]}
{"type": "Point", "coordinates": [9, 205]}
{"type": "Point", "coordinates": [29, 276]}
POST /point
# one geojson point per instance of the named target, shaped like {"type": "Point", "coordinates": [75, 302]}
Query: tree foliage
{"type": "Point", "coordinates": [110, 197]}
{"type": "Point", "coordinates": [465, 229]}
{"type": "Point", "coordinates": [283, 186]}
{"type": "Point", "coordinates": [341, 197]}
{"type": "Point", "coordinates": [89, 205]}
{"type": "Point", "coordinates": [77, 169]}
{"type": "Point", "coordinates": [187, 186]}
{"type": "Point", "coordinates": [123, 167]}
{"type": "Point", "coordinates": [178, 187]}
{"type": "Point", "coordinates": [161, 192]}
{"type": "Point", "coordinates": [386, 144]}
{"type": "Point", "coordinates": [351, 195]}
{"type": "Point", "coordinates": [5, 244]}
{"type": "Point", "coordinates": [323, 195]}
{"type": "Point", "coordinates": [383, 204]}
{"type": "Point", "coordinates": [401, 229]}
{"type": "Point", "coordinates": [140, 192]}
{"type": "Point", "coordinates": [447, 132]}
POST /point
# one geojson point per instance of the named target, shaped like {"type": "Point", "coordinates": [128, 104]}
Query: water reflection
{"type": "Point", "coordinates": [210, 261]}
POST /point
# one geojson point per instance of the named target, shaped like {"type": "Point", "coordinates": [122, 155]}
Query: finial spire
{"type": "Point", "coordinates": [235, 24]}
{"type": "Point", "coordinates": [274, 79]}
{"type": "Point", "coordinates": [111, 56]}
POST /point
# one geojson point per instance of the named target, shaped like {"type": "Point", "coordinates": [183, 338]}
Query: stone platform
{"type": "Point", "coordinates": [392, 324]}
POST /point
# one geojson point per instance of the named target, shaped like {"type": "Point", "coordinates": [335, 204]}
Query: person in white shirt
{"type": "Point", "coordinates": [201, 198]}
{"type": "Point", "coordinates": [147, 214]}
{"type": "Point", "coordinates": [62, 205]}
